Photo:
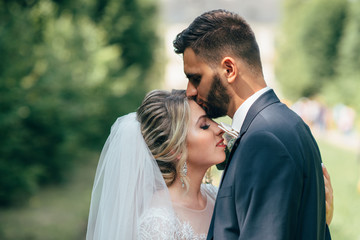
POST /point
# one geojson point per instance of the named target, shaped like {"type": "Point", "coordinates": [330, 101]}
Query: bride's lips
{"type": "Point", "coordinates": [221, 143]}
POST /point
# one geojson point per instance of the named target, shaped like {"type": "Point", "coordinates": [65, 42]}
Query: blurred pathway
{"type": "Point", "coordinates": [349, 141]}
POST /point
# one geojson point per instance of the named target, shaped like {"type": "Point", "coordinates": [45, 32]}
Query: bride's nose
{"type": "Point", "coordinates": [218, 131]}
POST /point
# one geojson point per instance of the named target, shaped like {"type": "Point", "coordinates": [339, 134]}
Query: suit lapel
{"type": "Point", "coordinates": [262, 102]}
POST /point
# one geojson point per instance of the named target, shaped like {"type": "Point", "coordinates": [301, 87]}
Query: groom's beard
{"type": "Point", "coordinates": [218, 100]}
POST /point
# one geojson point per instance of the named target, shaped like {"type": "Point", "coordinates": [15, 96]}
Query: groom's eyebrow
{"type": "Point", "coordinates": [194, 78]}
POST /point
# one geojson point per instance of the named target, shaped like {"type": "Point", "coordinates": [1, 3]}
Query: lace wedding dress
{"type": "Point", "coordinates": [130, 199]}
{"type": "Point", "coordinates": [182, 223]}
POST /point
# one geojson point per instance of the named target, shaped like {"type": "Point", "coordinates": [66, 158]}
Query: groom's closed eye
{"type": "Point", "coordinates": [194, 79]}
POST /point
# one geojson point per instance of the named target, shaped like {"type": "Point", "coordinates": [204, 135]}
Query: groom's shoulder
{"type": "Point", "coordinates": [277, 122]}
{"type": "Point", "coordinates": [278, 114]}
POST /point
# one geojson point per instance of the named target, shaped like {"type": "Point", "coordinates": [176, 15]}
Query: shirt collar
{"type": "Point", "coordinates": [241, 112]}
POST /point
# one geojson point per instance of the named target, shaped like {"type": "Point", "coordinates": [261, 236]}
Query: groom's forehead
{"type": "Point", "coordinates": [193, 64]}
{"type": "Point", "coordinates": [190, 57]}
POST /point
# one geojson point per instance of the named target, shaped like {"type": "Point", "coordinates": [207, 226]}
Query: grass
{"type": "Point", "coordinates": [61, 212]}
{"type": "Point", "coordinates": [55, 213]}
{"type": "Point", "coordinates": [344, 170]}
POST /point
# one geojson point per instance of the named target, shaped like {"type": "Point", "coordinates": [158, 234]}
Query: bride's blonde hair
{"type": "Point", "coordinates": [164, 118]}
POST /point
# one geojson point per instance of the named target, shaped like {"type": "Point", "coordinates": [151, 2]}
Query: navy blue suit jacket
{"type": "Point", "coordinates": [272, 186]}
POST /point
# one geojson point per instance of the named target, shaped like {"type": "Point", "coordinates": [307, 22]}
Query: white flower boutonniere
{"type": "Point", "coordinates": [230, 137]}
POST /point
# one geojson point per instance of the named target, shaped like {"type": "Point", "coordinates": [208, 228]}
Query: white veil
{"type": "Point", "coordinates": [126, 180]}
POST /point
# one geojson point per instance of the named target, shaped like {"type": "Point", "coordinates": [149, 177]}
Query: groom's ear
{"type": "Point", "coordinates": [229, 68]}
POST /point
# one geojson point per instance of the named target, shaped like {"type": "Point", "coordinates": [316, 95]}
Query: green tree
{"type": "Point", "coordinates": [67, 70]}
{"type": "Point", "coordinates": [346, 85]}
{"type": "Point", "coordinates": [308, 46]}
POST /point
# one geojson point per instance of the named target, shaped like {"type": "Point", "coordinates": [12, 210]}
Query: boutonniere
{"type": "Point", "coordinates": [230, 136]}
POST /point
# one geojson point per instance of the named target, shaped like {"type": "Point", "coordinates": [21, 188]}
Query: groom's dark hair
{"type": "Point", "coordinates": [217, 33]}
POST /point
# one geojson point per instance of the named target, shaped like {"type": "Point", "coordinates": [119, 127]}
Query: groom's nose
{"type": "Point", "coordinates": [191, 90]}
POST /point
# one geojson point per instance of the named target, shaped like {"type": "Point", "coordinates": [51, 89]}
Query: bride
{"type": "Point", "coordinates": [148, 183]}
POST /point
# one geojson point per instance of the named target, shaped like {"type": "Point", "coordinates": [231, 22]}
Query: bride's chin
{"type": "Point", "coordinates": [219, 161]}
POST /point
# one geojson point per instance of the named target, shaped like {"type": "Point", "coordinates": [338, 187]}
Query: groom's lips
{"type": "Point", "coordinates": [201, 103]}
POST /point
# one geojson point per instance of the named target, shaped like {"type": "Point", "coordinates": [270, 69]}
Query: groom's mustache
{"type": "Point", "coordinates": [202, 104]}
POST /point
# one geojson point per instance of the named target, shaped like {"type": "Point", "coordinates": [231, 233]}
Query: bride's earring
{"type": "Point", "coordinates": [183, 174]}
{"type": "Point", "coordinates": [208, 177]}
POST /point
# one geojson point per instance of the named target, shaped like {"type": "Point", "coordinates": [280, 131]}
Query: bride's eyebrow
{"type": "Point", "coordinates": [202, 116]}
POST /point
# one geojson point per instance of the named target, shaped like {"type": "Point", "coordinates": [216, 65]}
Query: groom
{"type": "Point", "coordinates": [272, 186]}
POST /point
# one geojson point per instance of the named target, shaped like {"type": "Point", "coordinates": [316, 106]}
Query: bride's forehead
{"type": "Point", "coordinates": [196, 113]}
{"type": "Point", "coordinates": [195, 109]}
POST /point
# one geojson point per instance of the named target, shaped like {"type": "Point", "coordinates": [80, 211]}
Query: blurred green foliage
{"type": "Point", "coordinates": [319, 50]}
{"type": "Point", "coordinates": [347, 85]}
{"type": "Point", "coordinates": [67, 70]}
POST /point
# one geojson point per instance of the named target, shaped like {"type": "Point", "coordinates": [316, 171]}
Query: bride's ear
{"type": "Point", "coordinates": [178, 157]}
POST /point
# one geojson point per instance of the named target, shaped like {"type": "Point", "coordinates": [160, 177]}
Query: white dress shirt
{"type": "Point", "coordinates": [242, 111]}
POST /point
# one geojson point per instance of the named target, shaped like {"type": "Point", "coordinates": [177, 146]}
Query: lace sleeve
{"type": "Point", "coordinates": [157, 224]}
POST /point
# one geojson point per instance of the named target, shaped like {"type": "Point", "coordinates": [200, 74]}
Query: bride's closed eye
{"type": "Point", "coordinates": [205, 126]}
